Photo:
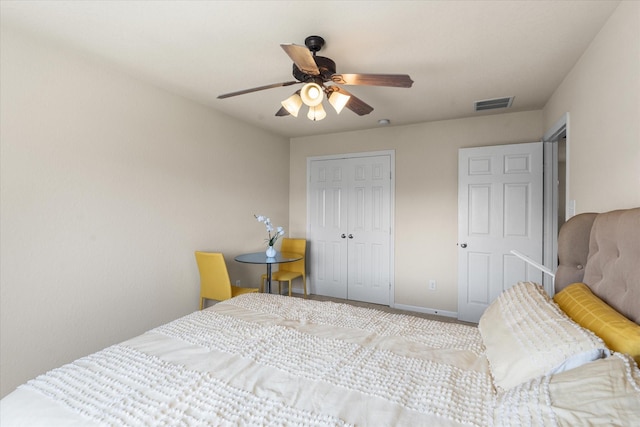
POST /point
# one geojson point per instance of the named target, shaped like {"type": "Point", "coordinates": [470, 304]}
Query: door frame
{"type": "Point", "coordinates": [551, 202]}
{"type": "Point", "coordinates": [392, 204]}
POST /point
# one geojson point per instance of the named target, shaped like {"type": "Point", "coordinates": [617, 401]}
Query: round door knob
{"type": "Point", "coordinates": [351, 236]}
{"type": "Point", "coordinates": [344, 236]}
{"type": "Point", "coordinates": [463, 245]}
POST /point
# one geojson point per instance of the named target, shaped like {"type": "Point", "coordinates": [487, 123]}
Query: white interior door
{"type": "Point", "coordinates": [499, 210]}
{"type": "Point", "coordinates": [369, 229]}
{"type": "Point", "coordinates": [350, 228]}
{"type": "Point", "coordinates": [328, 188]}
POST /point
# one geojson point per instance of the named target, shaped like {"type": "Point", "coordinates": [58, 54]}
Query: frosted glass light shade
{"type": "Point", "coordinates": [311, 94]}
{"type": "Point", "coordinates": [293, 104]}
{"type": "Point", "coordinates": [338, 100]}
{"type": "Point", "coordinates": [316, 113]}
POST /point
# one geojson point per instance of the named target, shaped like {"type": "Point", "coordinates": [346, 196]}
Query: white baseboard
{"type": "Point", "coordinates": [405, 307]}
{"type": "Point", "coordinates": [434, 311]}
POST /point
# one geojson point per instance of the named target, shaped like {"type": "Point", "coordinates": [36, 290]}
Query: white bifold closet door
{"type": "Point", "coordinates": [350, 228]}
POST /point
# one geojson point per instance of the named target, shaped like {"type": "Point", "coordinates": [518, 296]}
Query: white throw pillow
{"type": "Point", "coordinates": [526, 335]}
{"type": "Point", "coordinates": [605, 392]}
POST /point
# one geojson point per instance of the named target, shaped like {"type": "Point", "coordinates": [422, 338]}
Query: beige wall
{"type": "Point", "coordinates": [108, 185]}
{"type": "Point", "coordinates": [602, 96]}
{"type": "Point", "coordinates": [426, 192]}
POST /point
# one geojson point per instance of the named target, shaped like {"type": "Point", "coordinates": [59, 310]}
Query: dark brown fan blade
{"type": "Point", "coordinates": [256, 89]}
{"type": "Point", "coordinates": [302, 57]}
{"type": "Point", "coordinates": [355, 104]}
{"type": "Point", "coordinates": [282, 112]}
{"type": "Point", "coordinates": [393, 80]}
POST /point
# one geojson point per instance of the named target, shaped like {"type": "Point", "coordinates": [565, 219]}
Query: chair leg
{"type": "Point", "coordinates": [289, 287]}
{"type": "Point", "coordinates": [304, 285]}
{"type": "Point", "coordinates": [201, 302]}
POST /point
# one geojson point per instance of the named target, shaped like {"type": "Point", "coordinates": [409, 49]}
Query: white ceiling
{"type": "Point", "coordinates": [457, 52]}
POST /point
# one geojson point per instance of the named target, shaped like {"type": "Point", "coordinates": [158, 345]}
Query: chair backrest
{"type": "Point", "coordinates": [214, 277]}
{"type": "Point", "coordinates": [296, 246]}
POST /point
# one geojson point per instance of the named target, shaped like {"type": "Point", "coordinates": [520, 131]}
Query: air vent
{"type": "Point", "coordinates": [492, 104]}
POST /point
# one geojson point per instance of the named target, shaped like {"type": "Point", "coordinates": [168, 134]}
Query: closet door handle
{"type": "Point", "coordinates": [351, 236]}
{"type": "Point", "coordinates": [344, 236]}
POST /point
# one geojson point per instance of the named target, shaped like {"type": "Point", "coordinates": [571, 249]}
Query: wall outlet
{"type": "Point", "coordinates": [237, 282]}
{"type": "Point", "coordinates": [432, 285]}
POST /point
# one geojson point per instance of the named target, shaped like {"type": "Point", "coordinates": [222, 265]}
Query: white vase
{"type": "Point", "coordinates": [271, 252]}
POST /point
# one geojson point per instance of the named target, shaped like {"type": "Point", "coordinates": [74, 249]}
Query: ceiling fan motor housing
{"type": "Point", "coordinates": [326, 66]}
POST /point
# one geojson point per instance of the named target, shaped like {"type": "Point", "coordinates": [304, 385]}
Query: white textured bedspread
{"type": "Point", "coordinates": [269, 360]}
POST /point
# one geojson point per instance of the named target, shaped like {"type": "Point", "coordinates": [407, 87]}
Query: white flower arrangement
{"type": "Point", "coordinates": [279, 231]}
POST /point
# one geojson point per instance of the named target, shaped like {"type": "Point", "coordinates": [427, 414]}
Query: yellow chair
{"type": "Point", "coordinates": [290, 270]}
{"type": "Point", "coordinates": [214, 278]}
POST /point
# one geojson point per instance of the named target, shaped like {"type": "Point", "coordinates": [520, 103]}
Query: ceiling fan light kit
{"type": "Point", "coordinates": [316, 113]}
{"type": "Point", "coordinates": [311, 94]}
{"type": "Point", "coordinates": [314, 71]}
{"type": "Point", "coordinates": [338, 100]}
{"type": "Point", "coordinates": [293, 104]}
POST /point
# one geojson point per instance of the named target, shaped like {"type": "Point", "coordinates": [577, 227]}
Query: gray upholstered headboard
{"type": "Point", "coordinates": [603, 251]}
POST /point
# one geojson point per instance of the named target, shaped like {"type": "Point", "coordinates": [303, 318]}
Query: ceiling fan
{"type": "Point", "coordinates": [319, 76]}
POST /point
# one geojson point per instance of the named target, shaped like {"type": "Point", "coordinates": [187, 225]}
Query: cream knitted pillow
{"type": "Point", "coordinates": [526, 335]}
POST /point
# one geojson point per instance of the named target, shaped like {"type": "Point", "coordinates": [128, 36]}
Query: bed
{"type": "Point", "coordinates": [261, 359]}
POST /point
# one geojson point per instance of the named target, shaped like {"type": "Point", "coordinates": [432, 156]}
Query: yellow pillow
{"type": "Point", "coordinates": [619, 333]}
